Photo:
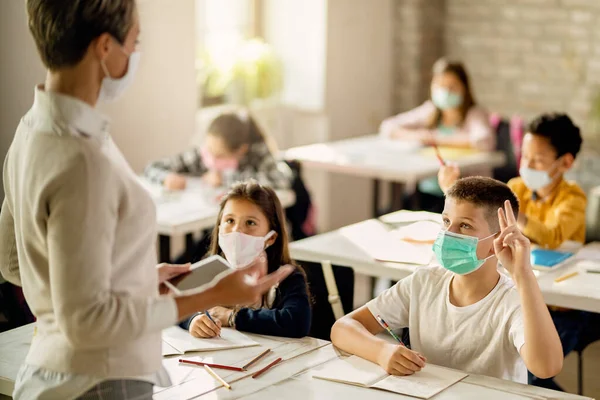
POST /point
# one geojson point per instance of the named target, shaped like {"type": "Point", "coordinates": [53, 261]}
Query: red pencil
{"type": "Point", "coordinates": [238, 369]}
{"type": "Point", "coordinates": [265, 369]}
{"type": "Point", "coordinates": [438, 155]}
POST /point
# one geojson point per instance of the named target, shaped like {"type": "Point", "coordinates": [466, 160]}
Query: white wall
{"type": "Point", "coordinates": [358, 90]}
{"type": "Point", "coordinates": [156, 117]}
{"type": "Point", "coordinates": [338, 65]}
{"type": "Point", "coordinates": [20, 71]}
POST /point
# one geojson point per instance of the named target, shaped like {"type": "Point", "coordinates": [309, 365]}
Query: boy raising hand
{"type": "Point", "coordinates": [464, 314]}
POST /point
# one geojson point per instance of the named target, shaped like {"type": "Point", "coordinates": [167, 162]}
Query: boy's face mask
{"type": "Point", "coordinates": [458, 253]}
{"type": "Point", "coordinates": [536, 179]}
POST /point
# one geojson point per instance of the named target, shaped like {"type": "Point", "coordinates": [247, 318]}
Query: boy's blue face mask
{"type": "Point", "coordinates": [458, 253]}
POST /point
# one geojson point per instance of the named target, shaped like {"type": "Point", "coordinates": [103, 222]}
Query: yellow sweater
{"type": "Point", "coordinates": [555, 219]}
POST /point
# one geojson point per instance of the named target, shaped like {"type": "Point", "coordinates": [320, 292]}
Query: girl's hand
{"type": "Point", "coordinates": [213, 178]}
{"type": "Point", "coordinates": [202, 327]}
{"type": "Point", "coordinates": [175, 182]}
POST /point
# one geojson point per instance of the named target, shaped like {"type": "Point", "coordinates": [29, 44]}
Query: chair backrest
{"type": "Point", "coordinates": [322, 313]}
{"type": "Point", "coordinates": [301, 211]}
{"type": "Point", "coordinates": [509, 135]}
{"type": "Point", "coordinates": [592, 216]}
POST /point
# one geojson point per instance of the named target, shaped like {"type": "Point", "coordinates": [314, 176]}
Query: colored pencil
{"type": "Point", "coordinates": [265, 369]}
{"type": "Point", "coordinates": [438, 155]}
{"type": "Point", "coordinates": [566, 276]}
{"type": "Point", "coordinates": [218, 366]}
{"type": "Point", "coordinates": [217, 377]}
{"type": "Point", "coordinates": [387, 328]}
{"type": "Point", "coordinates": [255, 359]}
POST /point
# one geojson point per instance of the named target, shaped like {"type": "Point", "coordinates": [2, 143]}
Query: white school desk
{"type": "Point", "coordinates": [581, 292]}
{"type": "Point", "coordinates": [190, 211]}
{"type": "Point", "coordinates": [378, 158]}
{"type": "Point", "coordinates": [14, 345]}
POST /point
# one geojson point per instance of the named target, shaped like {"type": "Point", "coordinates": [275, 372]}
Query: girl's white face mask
{"type": "Point", "coordinates": [241, 249]}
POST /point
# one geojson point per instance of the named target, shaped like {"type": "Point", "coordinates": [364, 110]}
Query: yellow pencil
{"type": "Point", "coordinates": [217, 377]}
{"type": "Point", "coordinates": [566, 276]}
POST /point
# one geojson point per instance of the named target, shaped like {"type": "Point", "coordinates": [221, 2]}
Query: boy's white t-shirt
{"type": "Point", "coordinates": [483, 338]}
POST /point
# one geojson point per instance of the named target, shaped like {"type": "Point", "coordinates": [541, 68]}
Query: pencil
{"type": "Point", "coordinates": [218, 366]}
{"type": "Point", "coordinates": [592, 271]}
{"type": "Point", "coordinates": [217, 377]}
{"type": "Point", "coordinates": [265, 369]}
{"type": "Point", "coordinates": [255, 359]}
{"type": "Point", "coordinates": [387, 328]}
{"type": "Point", "coordinates": [438, 155]}
{"type": "Point", "coordinates": [566, 276]}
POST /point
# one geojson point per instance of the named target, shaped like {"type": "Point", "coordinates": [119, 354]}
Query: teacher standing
{"type": "Point", "coordinates": [77, 229]}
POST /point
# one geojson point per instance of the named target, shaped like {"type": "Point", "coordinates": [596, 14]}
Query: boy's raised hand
{"type": "Point", "coordinates": [511, 246]}
{"type": "Point", "coordinates": [447, 175]}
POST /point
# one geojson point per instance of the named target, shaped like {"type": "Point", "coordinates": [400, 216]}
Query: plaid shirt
{"type": "Point", "coordinates": [258, 163]}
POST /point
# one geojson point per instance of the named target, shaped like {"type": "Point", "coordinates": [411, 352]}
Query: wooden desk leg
{"type": "Point", "coordinates": [376, 184]}
{"type": "Point", "coordinates": [164, 248]}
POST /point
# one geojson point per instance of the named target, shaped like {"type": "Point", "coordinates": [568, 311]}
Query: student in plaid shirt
{"type": "Point", "coordinates": [235, 149]}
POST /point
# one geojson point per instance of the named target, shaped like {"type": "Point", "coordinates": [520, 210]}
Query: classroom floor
{"type": "Point", "coordinates": [567, 378]}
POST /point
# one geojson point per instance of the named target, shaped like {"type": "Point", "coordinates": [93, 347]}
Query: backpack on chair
{"type": "Point", "coordinates": [301, 215]}
{"type": "Point", "coordinates": [509, 136]}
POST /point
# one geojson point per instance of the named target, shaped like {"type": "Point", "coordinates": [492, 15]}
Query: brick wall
{"type": "Point", "coordinates": [418, 42]}
{"type": "Point", "coordinates": [524, 56]}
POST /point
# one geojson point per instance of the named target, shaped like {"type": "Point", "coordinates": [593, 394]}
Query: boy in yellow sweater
{"type": "Point", "coordinates": [552, 210]}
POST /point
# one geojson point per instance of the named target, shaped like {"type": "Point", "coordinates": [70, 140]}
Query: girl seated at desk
{"type": "Point", "coordinates": [235, 149]}
{"type": "Point", "coordinates": [450, 118]}
{"type": "Point", "coordinates": [251, 228]}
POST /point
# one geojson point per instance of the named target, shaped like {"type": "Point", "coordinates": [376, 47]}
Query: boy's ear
{"type": "Point", "coordinates": [567, 161]}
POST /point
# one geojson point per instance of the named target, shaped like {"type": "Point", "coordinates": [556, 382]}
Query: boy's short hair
{"type": "Point", "coordinates": [563, 134]}
{"type": "Point", "coordinates": [487, 193]}
{"type": "Point", "coordinates": [63, 29]}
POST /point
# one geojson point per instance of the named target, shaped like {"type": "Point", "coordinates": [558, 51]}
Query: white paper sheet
{"type": "Point", "coordinates": [182, 341]}
{"type": "Point", "coordinates": [424, 384]}
{"type": "Point", "coordinates": [373, 238]}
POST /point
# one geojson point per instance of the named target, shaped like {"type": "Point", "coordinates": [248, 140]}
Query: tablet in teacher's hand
{"type": "Point", "coordinates": [201, 273]}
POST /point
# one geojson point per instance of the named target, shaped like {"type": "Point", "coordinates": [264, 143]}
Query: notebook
{"type": "Point", "coordinates": [424, 384]}
{"type": "Point", "coordinates": [179, 341]}
{"type": "Point", "coordinates": [423, 232]}
{"type": "Point", "coordinates": [548, 259]}
{"type": "Point", "coordinates": [374, 239]}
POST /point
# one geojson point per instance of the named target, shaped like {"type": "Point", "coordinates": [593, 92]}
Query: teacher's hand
{"type": "Point", "coordinates": [170, 272]}
{"type": "Point", "coordinates": [247, 285]}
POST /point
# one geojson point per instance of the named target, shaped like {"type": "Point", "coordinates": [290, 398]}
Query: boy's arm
{"type": "Point", "coordinates": [542, 351]}
{"type": "Point", "coordinates": [565, 220]}
{"type": "Point", "coordinates": [355, 334]}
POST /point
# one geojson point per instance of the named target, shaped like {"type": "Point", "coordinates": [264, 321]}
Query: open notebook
{"type": "Point", "coordinates": [424, 384]}
{"type": "Point", "coordinates": [179, 341]}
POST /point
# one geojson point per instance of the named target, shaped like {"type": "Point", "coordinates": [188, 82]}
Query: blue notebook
{"type": "Point", "coordinates": [548, 258]}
